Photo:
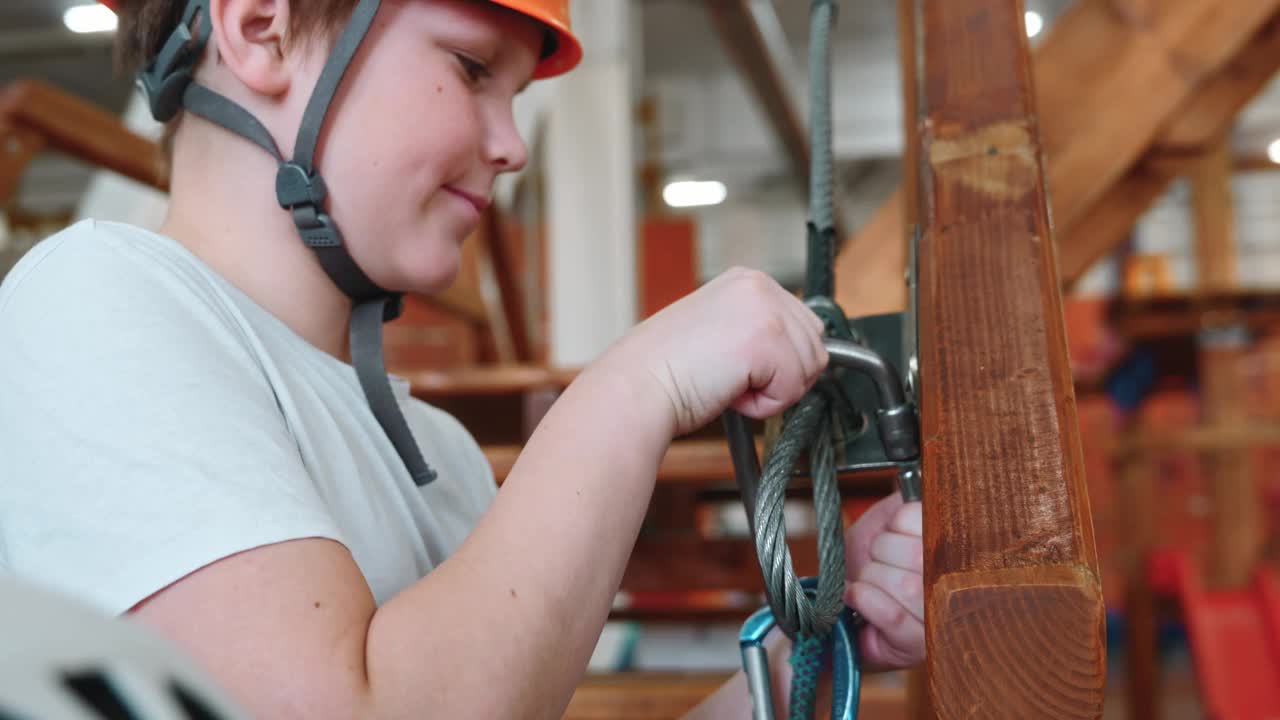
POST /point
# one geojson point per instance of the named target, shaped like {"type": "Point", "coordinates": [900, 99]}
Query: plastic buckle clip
{"type": "Point", "coordinates": [166, 78]}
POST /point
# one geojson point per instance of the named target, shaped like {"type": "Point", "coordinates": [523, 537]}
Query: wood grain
{"type": "Point", "coordinates": [1014, 612]}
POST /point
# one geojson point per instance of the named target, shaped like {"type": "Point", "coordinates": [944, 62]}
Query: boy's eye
{"type": "Point", "coordinates": [475, 70]}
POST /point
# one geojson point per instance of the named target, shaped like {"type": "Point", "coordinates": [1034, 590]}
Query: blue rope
{"type": "Point", "coordinates": [808, 657]}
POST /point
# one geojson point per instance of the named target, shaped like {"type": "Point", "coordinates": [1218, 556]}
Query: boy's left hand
{"type": "Point", "coordinates": [884, 581]}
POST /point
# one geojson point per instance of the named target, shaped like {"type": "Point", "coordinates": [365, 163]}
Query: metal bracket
{"type": "Point", "coordinates": [893, 337]}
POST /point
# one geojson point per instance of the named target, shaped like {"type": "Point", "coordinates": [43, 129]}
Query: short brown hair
{"type": "Point", "coordinates": [145, 25]}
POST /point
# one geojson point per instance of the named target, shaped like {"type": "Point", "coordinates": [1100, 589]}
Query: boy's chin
{"type": "Point", "coordinates": [432, 280]}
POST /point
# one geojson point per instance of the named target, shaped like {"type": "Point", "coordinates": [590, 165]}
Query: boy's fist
{"type": "Point", "coordinates": [739, 341]}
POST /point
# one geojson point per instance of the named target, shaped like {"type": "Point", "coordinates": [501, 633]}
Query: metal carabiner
{"type": "Point", "coordinates": [846, 677]}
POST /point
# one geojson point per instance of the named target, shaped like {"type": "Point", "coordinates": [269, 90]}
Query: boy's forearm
{"type": "Point", "coordinates": [524, 599]}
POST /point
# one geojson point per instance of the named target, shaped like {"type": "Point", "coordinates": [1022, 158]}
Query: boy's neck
{"type": "Point", "coordinates": [223, 209]}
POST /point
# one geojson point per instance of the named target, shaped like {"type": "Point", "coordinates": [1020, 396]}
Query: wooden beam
{"type": "Point", "coordinates": [1254, 163]}
{"type": "Point", "coordinates": [1237, 438]}
{"type": "Point", "coordinates": [641, 695]}
{"type": "Point", "coordinates": [1014, 609]}
{"type": "Point", "coordinates": [1163, 56]}
{"type": "Point", "coordinates": [1186, 314]}
{"type": "Point", "coordinates": [689, 562]}
{"type": "Point", "coordinates": [498, 380]}
{"type": "Point", "coordinates": [696, 462]}
{"type": "Point", "coordinates": [685, 461]}
{"type": "Point", "coordinates": [1198, 124]}
{"type": "Point", "coordinates": [1111, 79]}
{"type": "Point", "coordinates": [83, 131]}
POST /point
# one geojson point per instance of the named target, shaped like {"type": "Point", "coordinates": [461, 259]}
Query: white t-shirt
{"type": "Point", "coordinates": [154, 419]}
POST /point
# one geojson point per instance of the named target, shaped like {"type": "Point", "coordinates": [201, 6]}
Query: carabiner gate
{"type": "Point", "coordinates": [846, 677]}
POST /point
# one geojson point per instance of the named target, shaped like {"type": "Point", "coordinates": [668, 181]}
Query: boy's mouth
{"type": "Point", "coordinates": [479, 202]}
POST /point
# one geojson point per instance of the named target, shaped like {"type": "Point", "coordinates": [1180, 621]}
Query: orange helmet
{"type": "Point", "coordinates": [566, 51]}
{"type": "Point", "coordinates": [563, 54]}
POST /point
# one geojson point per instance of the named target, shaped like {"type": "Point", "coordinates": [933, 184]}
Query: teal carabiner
{"type": "Point", "coordinates": [846, 682]}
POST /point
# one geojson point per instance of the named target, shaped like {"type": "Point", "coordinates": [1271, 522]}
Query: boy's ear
{"type": "Point", "coordinates": [251, 37]}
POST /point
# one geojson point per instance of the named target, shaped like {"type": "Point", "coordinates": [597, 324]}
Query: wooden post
{"type": "Point", "coordinates": [1238, 524]}
{"type": "Point", "coordinates": [919, 706]}
{"type": "Point", "coordinates": [1136, 492]}
{"type": "Point", "coordinates": [1014, 608]}
{"type": "Point", "coordinates": [1214, 214]}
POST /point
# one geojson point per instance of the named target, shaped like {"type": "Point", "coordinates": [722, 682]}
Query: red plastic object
{"type": "Point", "coordinates": [1235, 639]}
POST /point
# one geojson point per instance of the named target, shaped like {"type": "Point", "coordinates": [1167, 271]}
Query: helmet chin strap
{"type": "Point", "coordinates": [168, 84]}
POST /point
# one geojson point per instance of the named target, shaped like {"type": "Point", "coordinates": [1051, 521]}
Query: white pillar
{"type": "Point", "coordinates": [591, 187]}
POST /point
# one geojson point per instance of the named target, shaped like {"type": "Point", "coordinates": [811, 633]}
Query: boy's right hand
{"type": "Point", "coordinates": [740, 341]}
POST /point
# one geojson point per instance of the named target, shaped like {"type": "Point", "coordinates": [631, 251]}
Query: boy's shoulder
{"type": "Point", "coordinates": [128, 299]}
{"type": "Point", "coordinates": [90, 257]}
{"type": "Point", "coordinates": [92, 269]}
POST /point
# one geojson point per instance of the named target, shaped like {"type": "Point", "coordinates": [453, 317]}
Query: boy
{"type": "Point", "coordinates": [192, 431]}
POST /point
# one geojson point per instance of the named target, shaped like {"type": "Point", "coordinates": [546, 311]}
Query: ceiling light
{"type": "Point", "coordinates": [694, 193]}
{"type": "Point", "coordinates": [1035, 23]}
{"type": "Point", "coordinates": [1273, 151]}
{"type": "Point", "coordinates": [89, 19]}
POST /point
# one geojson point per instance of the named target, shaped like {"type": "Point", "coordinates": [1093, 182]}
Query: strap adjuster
{"type": "Point", "coordinates": [316, 227]}
{"type": "Point", "coordinates": [304, 193]}
{"type": "Point", "coordinates": [295, 186]}
{"type": "Point", "coordinates": [166, 78]}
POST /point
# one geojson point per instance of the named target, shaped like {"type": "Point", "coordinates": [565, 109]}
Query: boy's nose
{"type": "Point", "coordinates": [506, 149]}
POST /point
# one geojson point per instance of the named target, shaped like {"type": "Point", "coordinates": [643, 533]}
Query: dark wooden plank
{"type": "Point", "coordinates": [1014, 608]}
{"type": "Point", "coordinates": [687, 562]}
{"type": "Point", "coordinates": [1187, 314]}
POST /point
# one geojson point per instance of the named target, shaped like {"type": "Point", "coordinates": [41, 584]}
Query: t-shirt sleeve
{"type": "Point", "coordinates": [465, 484]}
{"type": "Point", "coordinates": [139, 438]}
